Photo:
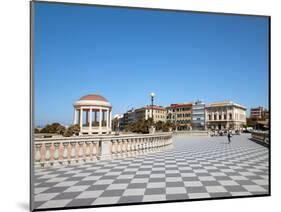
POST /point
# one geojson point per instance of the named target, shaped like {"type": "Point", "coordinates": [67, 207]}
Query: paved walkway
{"type": "Point", "coordinates": [197, 167]}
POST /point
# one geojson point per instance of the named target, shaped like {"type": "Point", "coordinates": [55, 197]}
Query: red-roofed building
{"type": "Point", "coordinates": [144, 113]}
{"type": "Point", "coordinates": [180, 114]}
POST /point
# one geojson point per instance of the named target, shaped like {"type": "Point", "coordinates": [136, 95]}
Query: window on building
{"type": "Point", "coordinates": [224, 116]}
{"type": "Point", "coordinates": [215, 117]}
{"type": "Point", "coordinates": [210, 117]}
{"type": "Point", "coordinates": [230, 116]}
{"type": "Point", "coordinates": [220, 117]}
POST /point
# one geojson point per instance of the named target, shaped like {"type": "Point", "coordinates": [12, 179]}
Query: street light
{"type": "Point", "coordinates": [152, 99]}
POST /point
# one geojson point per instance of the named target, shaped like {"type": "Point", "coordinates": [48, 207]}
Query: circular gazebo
{"type": "Point", "coordinates": [93, 114]}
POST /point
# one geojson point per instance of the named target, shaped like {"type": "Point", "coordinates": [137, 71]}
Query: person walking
{"type": "Point", "coordinates": [229, 136]}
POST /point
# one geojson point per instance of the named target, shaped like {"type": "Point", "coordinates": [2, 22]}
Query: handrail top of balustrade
{"type": "Point", "coordinates": [100, 137]}
{"type": "Point", "coordinates": [260, 132]}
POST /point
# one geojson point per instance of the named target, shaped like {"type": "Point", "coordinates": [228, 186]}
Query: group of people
{"type": "Point", "coordinates": [228, 133]}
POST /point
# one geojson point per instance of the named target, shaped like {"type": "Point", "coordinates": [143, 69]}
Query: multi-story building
{"type": "Point", "coordinates": [259, 113]}
{"type": "Point", "coordinates": [180, 115]}
{"type": "Point", "coordinates": [129, 117]}
{"type": "Point", "coordinates": [117, 123]}
{"type": "Point", "coordinates": [225, 115]}
{"type": "Point", "coordinates": [198, 115]}
{"type": "Point", "coordinates": [159, 113]}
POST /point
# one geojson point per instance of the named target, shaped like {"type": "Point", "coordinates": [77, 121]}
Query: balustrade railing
{"type": "Point", "coordinates": [191, 132]}
{"type": "Point", "coordinates": [260, 136]}
{"type": "Point", "coordinates": [75, 150]}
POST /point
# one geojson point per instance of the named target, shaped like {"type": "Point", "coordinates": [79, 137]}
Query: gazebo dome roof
{"type": "Point", "coordinates": [94, 97]}
{"type": "Point", "coordinates": [92, 100]}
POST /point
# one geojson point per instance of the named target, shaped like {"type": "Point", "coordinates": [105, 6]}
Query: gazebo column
{"type": "Point", "coordinates": [90, 124]}
{"type": "Point", "coordinates": [100, 119]}
{"type": "Point", "coordinates": [87, 117]}
{"type": "Point", "coordinates": [81, 119]}
{"type": "Point", "coordinates": [107, 121]}
{"type": "Point", "coordinates": [75, 116]}
{"type": "Point", "coordinates": [110, 117]}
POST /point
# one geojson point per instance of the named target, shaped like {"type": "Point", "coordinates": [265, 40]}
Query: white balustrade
{"type": "Point", "coordinates": [75, 150]}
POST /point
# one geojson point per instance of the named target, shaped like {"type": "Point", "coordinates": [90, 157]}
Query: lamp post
{"type": "Point", "coordinates": [152, 99]}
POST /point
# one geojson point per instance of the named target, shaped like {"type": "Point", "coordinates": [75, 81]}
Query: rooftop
{"type": "Point", "coordinates": [94, 97]}
{"type": "Point", "coordinates": [225, 103]}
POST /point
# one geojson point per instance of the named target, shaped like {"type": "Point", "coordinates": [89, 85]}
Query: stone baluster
{"type": "Point", "coordinates": [77, 148]}
{"type": "Point", "coordinates": [124, 146]}
{"type": "Point", "coordinates": [48, 153]}
{"type": "Point", "coordinates": [114, 148]}
{"type": "Point", "coordinates": [84, 154]}
{"type": "Point", "coordinates": [61, 153]}
{"type": "Point", "coordinates": [52, 150]}
{"type": "Point", "coordinates": [150, 145]}
{"type": "Point", "coordinates": [91, 150]}
{"type": "Point", "coordinates": [145, 145]}
{"type": "Point", "coordinates": [141, 145]}
{"type": "Point", "coordinates": [97, 149]}
{"type": "Point", "coordinates": [66, 153]}
{"type": "Point", "coordinates": [136, 146]}
{"type": "Point", "coordinates": [88, 150]}
{"type": "Point", "coordinates": [38, 153]}
{"type": "Point", "coordinates": [73, 150]}
{"type": "Point", "coordinates": [129, 144]}
{"type": "Point", "coordinates": [80, 151]}
{"type": "Point", "coordinates": [119, 148]}
{"type": "Point", "coordinates": [56, 152]}
{"type": "Point", "coordinates": [132, 146]}
{"type": "Point", "coordinates": [43, 155]}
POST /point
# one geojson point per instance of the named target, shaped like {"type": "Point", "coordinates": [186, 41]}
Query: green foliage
{"type": "Point", "coordinates": [36, 130]}
{"type": "Point", "coordinates": [142, 126]}
{"type": "Point", "coordinates": [55, 128]}
{"type": "Point", "coordinates": [251, 122]}
{"type": "Point", "coordinates": [72, 130]}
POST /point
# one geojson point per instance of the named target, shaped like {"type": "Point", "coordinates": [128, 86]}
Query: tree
{"type": "Point", "coordinates": [36, 130]}
{"type": "Point", "coordinates": [60, 130]}
{"type": "Point", "coordinates": [159, 125]}
{"type": "Point", "coordinates": [168, 125]}
{"type": "Point", "coordinates": [53, 128]}
{"type": "Point", "coordinates": [251, 122]}
{"type": "Point", "coordinates": [72, 130]}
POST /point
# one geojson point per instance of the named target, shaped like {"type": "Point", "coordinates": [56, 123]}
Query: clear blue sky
{"type": "Point", "coordinates": [124, 54]}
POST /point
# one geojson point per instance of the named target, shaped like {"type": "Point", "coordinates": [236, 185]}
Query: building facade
{"type": "Point", "coordinates": [259, 113]}
{"type": "Point", "coordinates": [117, 123]}
{"type": "Point", "coordinates": [144, 113]}
{"type": "Point", "coordinates": [198, 115]}
{"type": "Point", "coordinates": [180, 114]}
{"type": "Point", "coordinates": [128, 118]}
{"type": "Point", "coordinates": [225, 115]}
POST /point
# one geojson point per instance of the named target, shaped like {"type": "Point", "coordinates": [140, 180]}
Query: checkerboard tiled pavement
{"type": "Point", "coordinates": [197, 167]}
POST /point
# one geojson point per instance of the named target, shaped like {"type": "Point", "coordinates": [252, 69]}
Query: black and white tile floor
{"type": "Point", "coordinates": [197, 167]}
